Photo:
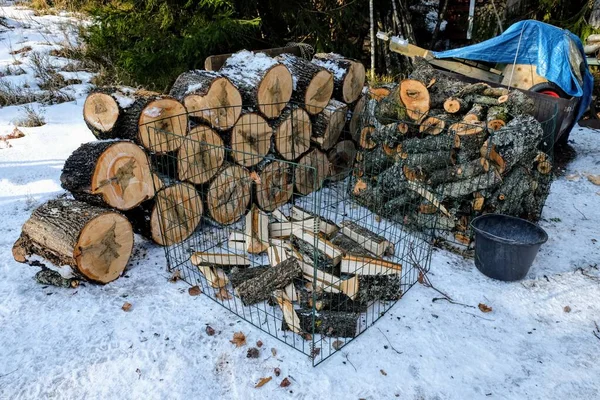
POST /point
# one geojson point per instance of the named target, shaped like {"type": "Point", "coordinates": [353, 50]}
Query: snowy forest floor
{"type": "Point", "coordinates": [57, 343]}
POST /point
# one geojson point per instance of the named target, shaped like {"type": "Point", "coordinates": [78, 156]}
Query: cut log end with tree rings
{"type": "Point", "coordinates": [95, 242]}
{"type": "Point", "coordinates": [432, 126]}
{"type": "Point", "coordinates": [292, 131]}
{"type": "Point", "coordinates": [228, 194]}
{"type": "Point", "coordinates": [544, 167]}
{"type": "Point", "coordinates": [349, 75]}
{"type": "Point", "coordinates": [415, 97]}
{"type": "Point", "coordinates": [200, 156]}
{"type": "Point", "coordinates": [109, 173]}
{"type": "Point", "coordinates": [354, 82]}
{"type": "Point", "coordinates": [163, 124]}
{"type": "Point", "coordinates": [318, 92]}
{"type": "Point", "coordinates": [366, 141]}
{"type": "Point", "coordinates": [250, 139]}
{"type": "Point", "coordinates": [329, 124]}
{"type": "Point", "coordinates": [274, 91]}
{"type": "Point", "coordinates": [454, 105]}
{"type": "Point", "coordinates": [101, 111]}
{"type": "Point", "coordinates": [313, 168]}
{"type": "Point", "coordinates": [275, 186]}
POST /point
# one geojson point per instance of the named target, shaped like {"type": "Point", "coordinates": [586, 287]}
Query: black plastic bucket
{"type": "Point", "coordinates": [505, 246]}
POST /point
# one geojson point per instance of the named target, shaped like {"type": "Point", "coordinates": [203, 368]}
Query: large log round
{"type": "Point", "coordinates": [250, 139]}
{"type": "Point", "coordinates": [275, 186]}
{"type": "Point", "coordinates": [156, 122]}
{"type": "Point", "coordinates": [95, 242]}
{"type": "Point", "coordinates": [210, 97]}
{"type": "Point", "coordinates": [228, 194]}
{"type": "Point", "coordinates": [329, 124]}
{"type": "Point", "coordinates": [264, 83]}
{"type": "Point", "coordinates": [349, 75]}
{"type": "Point", "coordinates": [292, 130]}
{"type": "Point", "coordinates": [200, 156]}
{"type": "Point", "coordinates": [313, 168]}
{"type": "Point", "coordinates": [109, 173]}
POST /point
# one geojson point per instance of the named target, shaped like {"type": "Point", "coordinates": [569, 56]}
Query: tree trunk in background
{"type": "Point", "coordinates": [595, 15]}
{"type": "Point", "coordinates": [372, 28]}
{"type": "Point", "coordinates": [436, 31]}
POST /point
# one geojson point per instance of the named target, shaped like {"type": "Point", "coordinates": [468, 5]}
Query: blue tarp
{"type": "Point", "coordinates": [534, 42]}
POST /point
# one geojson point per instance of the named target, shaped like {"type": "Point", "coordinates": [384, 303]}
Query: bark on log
{"type": "Point", "coordinates": [327, 323]}
{"type": "Point", "coordinates": [475, 114]}
{"type": "Point", "coordinates": [200, 156]}
{"type": "Point", "coordinates": [378, 288]}
{"type": "Point", "coordinates": [510, 197]}
{"type": "Point", "coordinates": [427, 144]}
{"type": "Point", "coordinates": [313, 85]}
{"type": "Point", "coordinates": [156, 122]}
{"type": "Point", "coordinates": [265, 84]}
{"type": "Point", "coordinates": [316, 251]}
{"type": "Point", "coordinates": [292, 130]}
{"type": "Point", "coordinates": [170, 217]}
{"type": "Point", "coordinates": [496, 118]}
{"type": "Point", "coordinates": [109, 173]}
{"type": "Point", "coordinates": [275, 185]}
{"type": "Point", "coordinates": [324, 301]}
{"type": "Point", "coordinates": [518, 103]}
{"type": "Point", "coordinates": [457, 189]}
{"type": "Point", "coordinates": [415, 97]}
{"type": "Point", "coordinates": [311, 171]}
{"type": "Point", "coordinates": [468, 146]}
{"type": "Point", "coordinates": [95, 242]}
{"type": "Point", "coordinates": [350, 247]}
{"type": "Point", "coordinates": [459, 172]}
{"type": "Point", "coordinates": [49, 277]}
{"type": "Point", "coordinates": [329, 124]}
{"type": "Point", "coordinates": [348, 75]}
{"type": "Point", "coordinates": [228, 194]}
{"type": "Point", "coordinates": [260, 288]}
{"type": "Point", "coordinates": [240, 275]}
{"type": "Point", "coordinates": [341, 159]}
{"type": "Point", "coordinates": [429, 161]}
{"type": "Point", "coordinates": [250, 139]}
{"type": "Point", "coordinates": [209, 97]}
{"type": "Point", "coordinates": [375, 161]}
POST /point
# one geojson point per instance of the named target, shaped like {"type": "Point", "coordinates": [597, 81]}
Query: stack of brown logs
{"type": "Point", "coordinates": [218, 140]}
{"type": "Point", "coordinates": [436, 151]}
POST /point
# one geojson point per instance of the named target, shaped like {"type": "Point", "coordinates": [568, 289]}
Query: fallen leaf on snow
{"type": "Point", "coordinates": [277, 372]}
{"type": "Point", "coordinates": [421, 278]}
{"type": "Point", "coordinates": [285, 382]}
{"type": "Point", "coordinates": [239, 339]}
{"type": "Point", "coordinates": [573, 177]}
{"type": "Point", "coordinates": [383, 372]}
{"type": "Point", "coordinates": [484, 308]}
{"type": "Point", "coordinates": [315, 352]}
{"type": "Point", "coordinates": [209, 330]}
{"type": "Point", "coordinates": [595, 179]}
{"type": "Point", "coordinates": [175, 277]}
{"type": "Point", "coordinates": [252, 353]}
{"type": "Point", "coordinates": [223, 294]}
{"type": "Point", "coordinates": [259, 344]}
{"type": "Point", "coordinates": [263, 381]}
{"type": "Point", "coordinates": [273, 351]}
{"type": "Point", "coordinates": [567, 309]}
{"type": "Point", "coordinates": [126, 306]}
{"type": "Point", "coordinates": [337, 344]}
{"type": "Point", "coordinates": [194, 291]}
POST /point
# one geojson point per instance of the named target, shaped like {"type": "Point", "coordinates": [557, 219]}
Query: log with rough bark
{"type": "Point", "coordinates": [315, 250]}
{"type": "Point", "coordinates": [326, 227]}
{"type": "Point", "coordinates": [511, 196]}
{"type": "Point", "coordinates": [94, 242]}
{"type": "Point", "coordinates": [496, 117]}
{"type": "Point", "coordinates": [170, 217]}
{"type": "Point", "coordinates": [200, 156]}
{"type": "Point", "coordinates": [292, 131]}
{"type": "Point", "coordinates": [209, 97]}
{"type": "Point", "coordinates": [458, 172]}
{"type": "Point", "coordinates": [427, 162]}
{"type": "Point", "coordinates": [427, 144]}
{"type": "Point", "coordinates": [341, 159]}
{"type": "Point", "coordinates": [464, 187]}
{"type": "Point", "coordinates": [313, 84]}
{"type": "Point", "coordinates": [228, 195]}
{"type": "Point", "coordinates": [250, 139]}
{"type": "Point", "coordinates": [348, 246]}
{"type": "Point", "coordinates": [260, 288]}
{"type": "Point", "coordinates": [265, 84]}
{"type": "Point", "coordinates": [415, 97]}
{"type": "Point", "coordinates": [367, 239]}
{"type": "Point", "coordinates": [517, 103]}
{"type": "Point", "coordinates": [311, 171]}
{"type": "Point", "coordinates": [327, 323]}
{"type": "Point", "coordinates": [326, 301]}
{"type": "Point", "coordinates": [239, 275]}
{"type": "Point", "coordinates": [156, 122]}
{"type": "Point", "coordinates": [374, 162]}
{"type": "Point", "coordinates": [109, 174]}
{"type": "Point", "coordinates": [475, 114]}
{"type": "Point", "coordinates": [47, 276]}
{"type": "Point", "coordinates": [329, 124]}
{"type": "Point", "coordinates": [348, 75]}
{"type": "Point", "coordinates": [274, 186]}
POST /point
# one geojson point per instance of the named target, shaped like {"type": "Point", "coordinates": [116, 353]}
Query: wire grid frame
{"type": "Point", "coordinates": [436, 175]}
{"type": "Point", "coordinates": [244, 191]}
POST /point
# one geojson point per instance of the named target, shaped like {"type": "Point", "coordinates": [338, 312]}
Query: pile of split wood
{"type": "Point", "coordinates": [436, 151]}
{"type": "Point", "coordinates": [216, 139]}
{"type": "Point", "coordinates": [354, 268]}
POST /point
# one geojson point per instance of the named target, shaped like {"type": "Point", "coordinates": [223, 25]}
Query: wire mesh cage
{"type": "Point", "coordinates": [263, 217]}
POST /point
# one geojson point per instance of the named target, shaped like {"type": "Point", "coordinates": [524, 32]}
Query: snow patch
{"type": "Point", "coordinates": [124, 101]}
{"type": "Point", "coordinates": [245, 66]}
{"type": "Point", "coordinates": [329, 65]}
{"type": "Point", "coordinates": [153, 112]}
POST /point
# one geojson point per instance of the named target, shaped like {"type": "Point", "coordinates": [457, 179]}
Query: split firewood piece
{"type": "Point", "coordinates": [455, 105]}
{"type": "Point", "coordinates": [371, 241]}
{"type": "Point", "coordinates": [200, 156]}
{"type": "Point", "coordinates": [275, 185]}
{"type": "Point", "coordinates": [220, 259]}
{"type": "Point", "coordinates": [278, 251]}
{"type": "Point", "coordinates": [257, 231]}
{"type": "Point", "coordinates": [415, 97]}
{"type": "Point", "coordinates": [348, 246]}
{"type": "Point", "coordinates": [250, 139]}
{"type": "Point", "coordinates": [517, 103]}
{"type": "Point", "coordinates": [94, 242]}
{"type": "Point", "coordinates": [460, 171]}
{"type": "Point", "coordinates": [427, 195]}
{"type": "Point", "coordinates": [313, 85]}
{"type": "Point", "coordinates": [462, 238]}
{"type": "Point", "coordinates": [356, 121]}
{"type": "Point", "coordinates": [292, 131]}
{"type": "Point", "coordinates": [261, 287]}
{"type": "Point", "coordinates": [290, 318]}
{"type": "Point", "coordinates": [209, 97]}
{"type": "Point", "coordinates": [475, 114]}
{"type": "Point", "coordinates": [323, 254]}
{"type": "Point", "coordinates": [285, 229]}
{"type": "Point", "coordinates": [237, 241]}
{"type": "Point", "coordinates": [326, 227]}
{"type": "Point", "coordinates": [432, 125]}
{"type": "Point", "coordinates": [228, 194]}
{"type": "Point", "coordinates": [368, 266]}
{"type": "Point", "coordinates": [279, 216]}
{"type": "Point", "coordinates": [156, 122]}
{"type": "Point", "coordinates": [170, 217]}
{"type": "Point", "coordinates": [348, 75]}
{"type": "Point", "coordinates": [478, 202]}
{"type": "Point", "coordinates": [112, 174]}
{"type": "Point", "coordinates": [325, 282]}
{"type": "Point", "coordinates": [329, 124]}
{"type": "Point", "coordinates": [341, 158]}
{"type": "Point", "coordinates": [239, 275]}
{"type": "Point", "coordinates": [214, 276]}
{"type": "Point", "coordinates": [327, 323]}
{"type": "Point", "coordinates": [265, 84]}
{"type": "Point", "coordinates": [311, 171]}
{"type": "Point", "coordinates": [496, 118]}
{"type": "Point", "coordinates": [457, 189]}
{"type": "Point", "coordinates": [291, 292]}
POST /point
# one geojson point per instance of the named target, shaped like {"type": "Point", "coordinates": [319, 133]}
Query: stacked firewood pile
{"type": "Point", "coordinates": [218, 142]}
{"type": "Point", "coordinates": [337, 270]}
{"type": "Point", "coordinates": [436, 151]}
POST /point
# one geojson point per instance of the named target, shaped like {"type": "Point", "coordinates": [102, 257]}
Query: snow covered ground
{"type": "Point", "coordinates": [57, 343]}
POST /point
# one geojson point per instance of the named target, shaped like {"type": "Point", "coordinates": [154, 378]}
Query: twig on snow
{"type": "Point", "coordinates": [451, 301]}
{"type": "Point", "coordinates": [347, 359]}
{"type": "Point", "coordinates": [388, 340]}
